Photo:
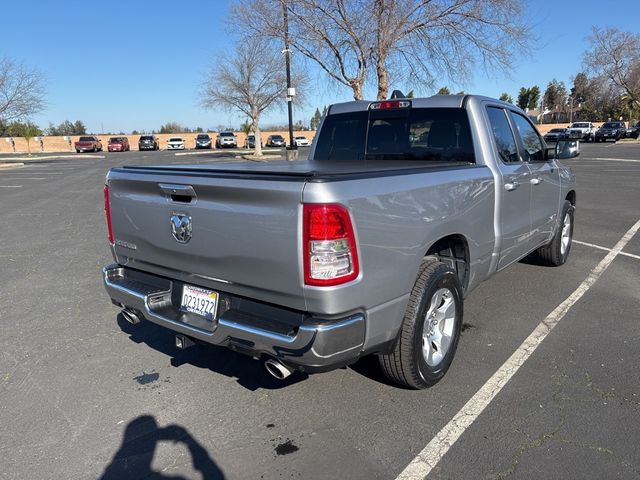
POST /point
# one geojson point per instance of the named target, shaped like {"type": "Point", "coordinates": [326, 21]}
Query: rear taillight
{"type": "Point", "coordinates": [107, 212]}
{"type": "Point", "coordinates": [329, 245]}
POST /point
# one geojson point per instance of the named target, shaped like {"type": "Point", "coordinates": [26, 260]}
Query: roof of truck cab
{"type": "Point", "coordinates": [435, 101]}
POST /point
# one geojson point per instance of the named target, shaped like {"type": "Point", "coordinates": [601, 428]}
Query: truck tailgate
{"type": "Point", "coordinates": [244, 229]}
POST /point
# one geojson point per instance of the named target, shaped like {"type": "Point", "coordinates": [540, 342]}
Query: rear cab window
{"type": "Point", "coordinates": [420, 134]}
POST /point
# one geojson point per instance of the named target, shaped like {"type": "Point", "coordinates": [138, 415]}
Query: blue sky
{"type": "Point", "coordinates": [124, 65]}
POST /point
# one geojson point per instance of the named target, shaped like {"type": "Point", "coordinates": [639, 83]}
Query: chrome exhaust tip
{"type": "Point", "coordinates": [277, 369]}
{"type": "Point", "coordinates": [131, 316]}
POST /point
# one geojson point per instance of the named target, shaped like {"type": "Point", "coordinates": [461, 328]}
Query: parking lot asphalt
{"type": "Point", "coordinates": [83, 394]}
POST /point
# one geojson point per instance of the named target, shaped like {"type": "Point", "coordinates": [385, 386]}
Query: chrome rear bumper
{"type": "Point", "coordinates": [303, 341]}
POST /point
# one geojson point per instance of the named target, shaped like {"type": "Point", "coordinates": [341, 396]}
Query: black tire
{"type": "Point", "coordinates": [406, 364]}
{"type": "Point", "coordinates": [554, 254]}
{"type": "Point", "coordinates": [77, 151]}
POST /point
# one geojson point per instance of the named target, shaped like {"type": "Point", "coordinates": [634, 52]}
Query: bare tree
{"type": "Point", "coordinates": [21, 91]}
{"type": "Point", "coordinates": [421, 40]}
{"type": "Point", "coordinates": [615, 55]}
{"type": "Point", "coordinates": [251, 82]}
{"type": "Point", "coordinates": [327, 32]}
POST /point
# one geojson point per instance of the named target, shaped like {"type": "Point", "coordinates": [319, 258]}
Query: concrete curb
{"type": "Point", "coordinates": [262, 159]}
{"type": "Point", "coordinates": [11, 165]}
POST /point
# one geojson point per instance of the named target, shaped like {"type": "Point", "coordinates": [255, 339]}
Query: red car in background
{"type": "Point", "coordinates": [88, 144]}
{"type": "Point", "coordinates": [118, 144]}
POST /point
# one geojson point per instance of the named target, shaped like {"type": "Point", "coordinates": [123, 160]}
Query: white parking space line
{"type": "Point", "coordinates": [10, 186]}
{"type": "Point", "coordinates": [26, 171]}
{"type": "Point", "coordinates": [4, 178]}
{"type": "Point", "coordinates": [613, 159]}
{"type": "Point", "coordinates": [437, 448]}
{"type": "Point", "coordinates": [599, 247]}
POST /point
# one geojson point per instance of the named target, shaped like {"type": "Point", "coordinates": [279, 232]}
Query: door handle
{"type": "Point", "coordinates": [511, 186]}
{"type": "Point", "coordinates": [536, 181]}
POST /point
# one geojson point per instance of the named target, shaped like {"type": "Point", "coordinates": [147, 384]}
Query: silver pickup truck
{"type": "Point", "coordinates": [368, 247]}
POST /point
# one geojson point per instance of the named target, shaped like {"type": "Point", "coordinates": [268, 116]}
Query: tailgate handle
{"type": "Point", "coordinates": [179, 193]}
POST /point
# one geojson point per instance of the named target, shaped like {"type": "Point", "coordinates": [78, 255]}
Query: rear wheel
{"type": "Point", "coordinates": [430, 330]}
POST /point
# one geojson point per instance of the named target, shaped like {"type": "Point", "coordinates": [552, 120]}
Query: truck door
{"type": "Point", "coordinates": [545, 181]}
{"type": "Point", "coordinates": [515, 191]}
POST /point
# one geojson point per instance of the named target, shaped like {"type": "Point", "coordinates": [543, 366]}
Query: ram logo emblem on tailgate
{"type": "Point", "coordinates": [181, 227]}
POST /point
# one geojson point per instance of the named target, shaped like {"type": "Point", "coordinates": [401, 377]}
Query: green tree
{"type": "Point", "coordinates": [315, 120]}
{"type": "Point", "coordinates": [534, 97]}
{"type": "Point", "coordinates": [444, 91]}
{"type": "Point", "coordinates": [523, 98]}
{"type": "Point", "coordinates": [505, 97]}
{"type": "Point", "coordinates": [79, 128]}
{"type": "Point", "coordinates": [171, 127]}
{"type": "Point", "coordinates": [245, 127]}
{"type": "Point", "coordinates": [555, 96]}
{"type": "Point", "coordinates": [27, 130]}
{"type": "Point", "coordinates": [528, 97]}
{"type": "Point", "coordinates": [67, 128]}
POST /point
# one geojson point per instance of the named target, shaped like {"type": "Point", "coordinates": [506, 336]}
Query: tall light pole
{"type": "Point", "coordinates": [292, 148]}
{"type": "Point", "coordinates": [571, 109]}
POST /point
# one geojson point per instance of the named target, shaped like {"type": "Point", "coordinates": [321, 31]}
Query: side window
{"type": "Point", "coordinates": [503, 135]}
{"type": "Point", "coordinates": [534, 150]}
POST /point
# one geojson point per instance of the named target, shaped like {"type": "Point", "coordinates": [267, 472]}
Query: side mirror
{"type": "Point", "coordinates": [567, 149]}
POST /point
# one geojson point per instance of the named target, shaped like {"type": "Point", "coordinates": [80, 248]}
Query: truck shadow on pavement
{"type": "Point", "coordinates": [135, 455]}
{"type": "Point", "coordinates": [249, 373]}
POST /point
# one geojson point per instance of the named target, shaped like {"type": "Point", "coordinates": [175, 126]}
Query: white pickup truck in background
{"type": "Point", "coordinates": [582, 131]}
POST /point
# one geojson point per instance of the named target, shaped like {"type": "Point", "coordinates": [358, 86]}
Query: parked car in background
{"type": "Point", "coordinates": [275, 141]}
{"type": "Point", "coordinates": [555, 134]}
{"type": "Point", "coordinates": [633, 131]}
{"type": "Point", "coordinates": [175, 143]}
{"type": "Point", "coordinates": [226, 140]}
{"type": "Point", "coordinates": [148, 142]}
{"type": "Point", "coordinates": [581, 131]}
{"type": "Point", "coordinates": [88, 144]}
{"type": "Point", "coordinates": [118, 144]}
{"type": "Point", "coordinates": [301, 141]}
{"type": "Point", "coordinates": [250, 141]}
{"type": "Point", "coordinates": [610, 131]}
{"type": "Point", "coordinates": [203, 140]}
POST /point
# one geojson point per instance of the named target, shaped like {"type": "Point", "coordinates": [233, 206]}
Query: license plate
{"type": "Point", "coordinates": [199, 301]}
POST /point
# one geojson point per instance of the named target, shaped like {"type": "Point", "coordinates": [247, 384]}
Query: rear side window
{"type": "Point", "coordinates": [503, 135]}
{"type": "Point", "coordinates": [422, 134]}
